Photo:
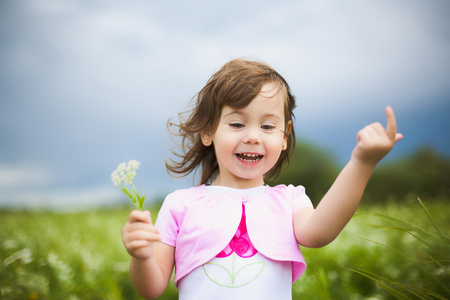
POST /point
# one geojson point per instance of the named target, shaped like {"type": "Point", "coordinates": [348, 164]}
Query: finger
{"type": "Point", "coordinates": [133, 245]}
{"type": "Point", "coordinates": [149, 217]}
{"type": "Point", "coordinates": [391, 126]}
{"type": "Point", "coordinates": [139, 226]}
{"type": "Point", "coordinates": [369, 131]}
{"type": "Point", "coordinates": [148, 237]}
{"type": "Point", "coordinates": [362, 135]}
{"type": "Point", "coordinates": [376, 129]}
{"type": "Point", "coordinates": [140, 216]}
{"type": "Point", "coordinates": [144, 235]}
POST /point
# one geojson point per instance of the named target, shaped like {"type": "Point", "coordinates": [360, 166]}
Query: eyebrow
{"type": "Point", "coordinates": [239, 112]}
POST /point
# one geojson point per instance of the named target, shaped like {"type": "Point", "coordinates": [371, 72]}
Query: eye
{"type": "Point", "coordinates": [237, 125]}
{"type": "Point", "coordinates": [268, 127]}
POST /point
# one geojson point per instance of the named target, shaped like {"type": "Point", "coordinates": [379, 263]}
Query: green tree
{"type": "Point", "coordinates": [425, 173]}
{"type": "Point", "coordinates": [311, 167]}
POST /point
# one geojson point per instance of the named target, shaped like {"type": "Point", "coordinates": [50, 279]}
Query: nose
{"type": "Point", "coordinates": [252, 136]}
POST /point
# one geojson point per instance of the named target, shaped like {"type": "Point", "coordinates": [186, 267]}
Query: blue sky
{"type": "Point", "coordinates": [85, 85]}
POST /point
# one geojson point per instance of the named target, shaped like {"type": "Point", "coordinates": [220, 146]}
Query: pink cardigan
{"type": "Point", "coordinates": [200, 225]}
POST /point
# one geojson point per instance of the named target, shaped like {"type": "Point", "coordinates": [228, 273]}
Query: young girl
{"type": "Point", "coordinates": [232, 237]}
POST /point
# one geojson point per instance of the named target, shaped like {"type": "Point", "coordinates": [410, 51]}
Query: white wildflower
{"type": "Point", "coordinates": [121, 167]}
{"type": "Point", "coordinates": [130, 176]}
{"type": "Point", "coordinates": [64, 271]}
{"type": "Point", "coordinates": [124, 175]}
{"type": "Point", "coordinates": [133, 164]}
{"type": "Point", "coordinates": [25, 255]}
{"type": "Point", "coordinates": [9, 244]}
{"type": "Point", "coordinates": [115, 178]}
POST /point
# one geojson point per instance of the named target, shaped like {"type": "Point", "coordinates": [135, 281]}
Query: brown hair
{"type": "Point", "coordinates": [235, 85]}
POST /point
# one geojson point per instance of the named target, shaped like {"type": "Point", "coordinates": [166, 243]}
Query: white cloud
{"type": "Point", "coordinates": [51, 6]}
{"type": "Point", "coordinates": [25, 175]}
{"type": "Point", "coordinates": [62, 199]}
{"type": "Point", "coordinates": [327, 49]}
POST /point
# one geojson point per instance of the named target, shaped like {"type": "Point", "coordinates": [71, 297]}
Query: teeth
{"type": "Point", "coordinates": [249, 157]}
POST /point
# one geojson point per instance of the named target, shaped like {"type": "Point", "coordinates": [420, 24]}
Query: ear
{"type": "Point", "coordinates": [287, 132]}
{"type": "Point", "coordinates": [206, 139]}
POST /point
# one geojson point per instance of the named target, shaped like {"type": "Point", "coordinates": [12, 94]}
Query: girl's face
{"type": "Point", "coordinates": [248, 141]}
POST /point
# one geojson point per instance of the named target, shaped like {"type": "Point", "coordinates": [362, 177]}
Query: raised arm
{"type": "Point", "coordinates": [318, 227]}
{"type": "Point", "coordinates": [151, 261]}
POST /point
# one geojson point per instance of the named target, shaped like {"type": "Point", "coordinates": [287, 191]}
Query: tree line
{"type": "Point", "coordinates": [425, 174]}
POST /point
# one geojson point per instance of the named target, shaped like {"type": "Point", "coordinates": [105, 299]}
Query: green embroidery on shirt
{"type": "Point", "coordinates": [234, 273]}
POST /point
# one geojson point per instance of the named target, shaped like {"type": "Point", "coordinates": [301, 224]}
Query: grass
{"type": "Point", "coordinates": [397, 251]}
{"type": "Point", "coordinates": [384, 251]}
{"type": "Point", "coordinates": [432, 260]}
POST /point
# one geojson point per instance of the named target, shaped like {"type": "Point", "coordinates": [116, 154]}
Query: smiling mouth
{"type": "Point", "coordinates": [249, 157]}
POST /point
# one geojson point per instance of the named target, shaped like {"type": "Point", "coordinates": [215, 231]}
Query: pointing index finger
{"type": "Point", "coordinates": [391, 126]}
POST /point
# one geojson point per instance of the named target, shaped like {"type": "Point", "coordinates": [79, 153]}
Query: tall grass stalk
{"type": "Point", "coordinates": [433, 277]}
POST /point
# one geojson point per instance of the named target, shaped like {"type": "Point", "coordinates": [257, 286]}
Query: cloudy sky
{"type": "Point", "coordinates": [85, 85]}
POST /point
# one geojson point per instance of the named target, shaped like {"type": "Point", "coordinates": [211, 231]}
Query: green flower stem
{"type": "Point", "coordinates": [123, 176]}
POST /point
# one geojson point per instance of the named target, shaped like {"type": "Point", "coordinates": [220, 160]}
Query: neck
{"type": "Point", "coordinates": [238, 183]}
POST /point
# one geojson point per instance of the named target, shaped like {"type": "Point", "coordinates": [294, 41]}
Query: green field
{"type": "Point", "coordinates": [46, 255]}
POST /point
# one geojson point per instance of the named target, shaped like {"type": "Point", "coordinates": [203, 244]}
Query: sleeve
{"type": "Point", "coordinates": [166, 222]}
{"type": "Point", "coordinates": [298, 197]}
